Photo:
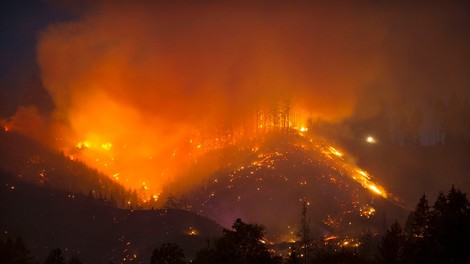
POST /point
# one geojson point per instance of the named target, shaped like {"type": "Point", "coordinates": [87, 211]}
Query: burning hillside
{"type": "Point", "coordinates": [142, 89]}
{"type": "Point", "coordinates": [261, 173]}
{"type": "Point", "coordinates": [270, 179]}
{"type": "Point", "coordinates": [34, 163]}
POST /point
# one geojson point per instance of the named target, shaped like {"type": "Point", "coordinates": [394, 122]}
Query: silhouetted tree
{"type": "Point", "coordinates": [417, 229]}
{"type": "Point", "coordinates": [450, 227]}
{"type": "Point", "coordinates": [171, 202]}
{"type": "Point", "coordinates": [55, 257]}
{"type": "Point", "coordinates": [14, 253]}
{"type": "Point", "coordinates": [391, 246]}
{"type": "Point", "coordinates": [440, 234]}
{"type": "Point", "coordinates": [304, 232]}
{"type": "Point", "coordinates": [368, 246]}
{"type": "Point", "coordinates": [174, 202]}
{"type": "Point", "coordinates": [417, 225]}
{"type": "Point", "coordinates": [243, 244]}
{"type": "Point", "coordinates": [204, 256]}
{"type": "Point", "coordinates": [168, 253]}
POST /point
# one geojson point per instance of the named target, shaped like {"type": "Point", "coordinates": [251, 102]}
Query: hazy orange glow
{"type": "Point", "coordinates": [140, 94]}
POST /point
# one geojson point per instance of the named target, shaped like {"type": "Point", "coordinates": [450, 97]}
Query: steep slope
{"type": "Point", "coordinates": [33, 162]}
{"type": "Point", "coordinates": [98, 233]}
{"type": "Point", "coordinates": [277, 174]}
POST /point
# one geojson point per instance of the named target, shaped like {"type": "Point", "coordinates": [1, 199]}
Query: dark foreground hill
{"type": "Point", "coordinates": [98, 233]}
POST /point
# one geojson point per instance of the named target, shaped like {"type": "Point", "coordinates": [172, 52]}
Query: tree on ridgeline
{"type": "Point", "coordinates": [168, 253]}
{"type": "Point", "coordinates": [55, 257]}
{"type": "Point", "coordinates": [174, 202]}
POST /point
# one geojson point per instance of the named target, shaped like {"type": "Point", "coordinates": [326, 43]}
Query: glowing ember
{"type": "Point", "coordinates": [106, 146]}
{"type": "Point", "coordinates": [367, 211]}
{"type": "Point", "coordinates": [330, 238]}
{"type": "Point", "coordinates": [83, 145]}
{"type": "Point", "coordinates": [155, 197]}
{"type": "Point", "coordinates": [192, 232]}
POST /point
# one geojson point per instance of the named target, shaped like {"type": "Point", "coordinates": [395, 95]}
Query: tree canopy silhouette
{"type": "Point", "coordinates": [168, 253]}
{"type": "Point", "coordinates": [55, 257]}
{"type": "Point", "coordinates": [244, 244]}
{"type": "Point", "coordinates": [15, 253]}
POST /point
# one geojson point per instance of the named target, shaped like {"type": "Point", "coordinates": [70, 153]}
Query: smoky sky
{"type": "Point", "coordinates": [172, 59]}
{"type": "Point", "coordinates": [126, 70]}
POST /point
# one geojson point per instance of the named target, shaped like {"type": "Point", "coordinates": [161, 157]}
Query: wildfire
{"type": "Point", "coordinates": [83, 145]}
{"type": "Point", "coordinates": [335, 152]}
{"type": "Point", "coordinates": [192, 232]}
{"type": "Point", "coordinates": [363, 173]}
{"type": "Point", "coordinates": [376, 190]}
{"type": "Point", "coordinates": [148, 164]}
{"type": "Point", "coordinates": [106, 146]}
{"type": "Point", "coordinates": [367, 211]}
{"type": "Point", "coordinates": [155, 197]}
{"type": "Point", "coordinates": [350, 169]}
{"type": "Point", "coordinates": [330, 238]}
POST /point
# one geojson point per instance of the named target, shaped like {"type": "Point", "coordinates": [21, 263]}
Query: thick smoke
{"type": "Point", "coordinates": [138, 77]}
{"type": "Point", "coordinates": [193, 62]}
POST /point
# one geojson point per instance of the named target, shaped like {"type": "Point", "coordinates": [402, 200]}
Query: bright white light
{"type": "Point", "coordinates": [370, 139]}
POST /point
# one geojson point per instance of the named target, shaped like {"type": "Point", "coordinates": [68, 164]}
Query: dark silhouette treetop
{"type": "Point", "coordinates": [55, 257]}
{"type": "Point", "coordinates": [391, 246]}
{"type": "Point", "coordinates": [168, 253]}
{"type": "Point", "coordinates": [243, 244]}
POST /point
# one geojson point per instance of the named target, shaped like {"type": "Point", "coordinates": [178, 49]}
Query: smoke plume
{"type": "Point", "coordinates": [133, 79]}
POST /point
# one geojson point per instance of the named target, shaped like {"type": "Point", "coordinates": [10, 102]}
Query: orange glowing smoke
{"type": "Point", "coordinates": [134, 82]}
